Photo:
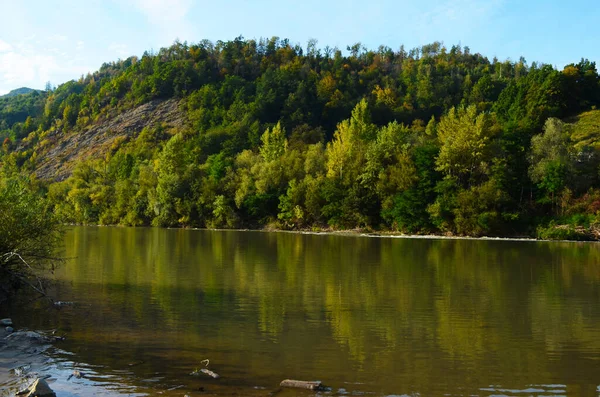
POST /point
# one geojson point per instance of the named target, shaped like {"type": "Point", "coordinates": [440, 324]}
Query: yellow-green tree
{"type": "Point", "coordinates": [466, 140]}
{"type": "Point", "coordinates": [274, 143]}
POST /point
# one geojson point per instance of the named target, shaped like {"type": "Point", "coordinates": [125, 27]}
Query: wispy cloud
{"type": "Point", "coordinates": [456, 18]}
{"type": "Point", "coordinates": [58, 37]}
{"type": "Point", "coordinates": [162, 11]}
{"type": "Point", "coordinates": [120, 49]}
{"type": "Point", "coordinates": [23, 65]}
{"type": "Point", "coordinates": [4, 46]}
{"type": "Point", "coordinates": [170, 16]}
{"type": "Point", "coordinates": [15, 67]}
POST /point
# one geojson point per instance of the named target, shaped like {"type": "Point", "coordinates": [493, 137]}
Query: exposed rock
{"type": "Point", "coordinates": [21, 370]}
{"type": "Point", "coordinates": [40, 388]}
{"type": "Point", "coordinates": [29, 337]}
{"type": "Point", "coordinates": [77, 374]}
{"type": "Point", "coordinates": [62, 150]}
{"type": "Point", "coordinates": [5, 322]}
{"type": "Point", "coordinates": [9, 330]}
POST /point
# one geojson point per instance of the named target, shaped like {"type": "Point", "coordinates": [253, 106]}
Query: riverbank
{"type": "Point", "coordinates": [557, 233]}
{"type": "Point", "coordinates": [23, 361]}
{"type": "Point", "coordinates": [385, 234]}
{"type": "Point", "coordinates": [27, 357]}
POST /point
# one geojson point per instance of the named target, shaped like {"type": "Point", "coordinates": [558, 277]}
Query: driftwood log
{"type": "Point", "coordinates": [210, 373]}
{"type": "Point", "coordinates": [301, 384]}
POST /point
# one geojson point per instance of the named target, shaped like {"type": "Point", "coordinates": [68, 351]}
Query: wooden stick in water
{"type": "Point", "coordinates": [301, 384]}
{"type": "Point", "coordinates": [210, 373]}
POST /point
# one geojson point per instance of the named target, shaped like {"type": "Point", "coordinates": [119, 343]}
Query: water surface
{"type": "Point", "coordinates": [378, 316]}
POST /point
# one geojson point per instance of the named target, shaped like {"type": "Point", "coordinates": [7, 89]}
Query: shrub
{"type": "Point", "coordinates": [29, 235]}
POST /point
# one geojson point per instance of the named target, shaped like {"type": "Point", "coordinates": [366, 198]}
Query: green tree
{"type": "Point", "coordinates": [478, 210]}
{"type": "Point", "coordinates": [550, 162]}
{"type": "Point", "coordinates": [29, 236]}
{"type": "Point", "coordinates": [170, 188]}
{"type": "Point", "coordinates": [466, 144]}
{"type": "Point", "coordinates": [274, 143]}
{"type": "Point", "coordinates": [346, 152]}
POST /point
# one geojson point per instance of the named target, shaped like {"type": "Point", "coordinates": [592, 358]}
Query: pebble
{"type": "Point", "coordinates": [78, 374]}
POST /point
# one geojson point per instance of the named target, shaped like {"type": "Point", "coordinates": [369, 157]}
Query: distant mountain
{"type": "Point", "coordinates": [18, 91]}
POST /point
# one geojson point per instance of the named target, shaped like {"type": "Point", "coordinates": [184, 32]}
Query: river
{"type": "Point", "coordinates": [374, 316]}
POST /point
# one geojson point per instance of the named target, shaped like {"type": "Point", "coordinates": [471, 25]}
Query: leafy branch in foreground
{"type": "Point", "coordinates": [29, 236]}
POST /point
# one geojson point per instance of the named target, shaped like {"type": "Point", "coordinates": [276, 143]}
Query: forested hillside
{"type": "Point", "coordinates": [265, 133]}
{"type": "Point", "coordinates": [18, 91]}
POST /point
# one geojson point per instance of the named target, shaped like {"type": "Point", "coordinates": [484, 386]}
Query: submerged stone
{"type": "Point", "coordinates": [28, 337]}
{"type": "Point", "coordinates": [40, 388]}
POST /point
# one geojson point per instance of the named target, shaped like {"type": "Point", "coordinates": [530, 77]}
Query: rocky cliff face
{"type": "Point", "coordinates": [61, 151]}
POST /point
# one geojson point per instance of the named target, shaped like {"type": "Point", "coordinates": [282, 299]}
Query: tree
{"type": "Point", "coordinates": [244, 153]}
{"type": "Point", "coordinates": [550, 161]}
{"type": "Point", "coordinates": [346, 152]}
{"type": "Point", "coordinates": [29, 237]}
{"type": "Point", "coordinates": [408, 211]}
{"type": "Point", "coordinates": [170, 182]}
{"type": "Point", "coordinates": [478, 210]}
{"type": "Point", "coordinates": [466, 143]}
{"type": "Point", "coordinates": [274, 143]}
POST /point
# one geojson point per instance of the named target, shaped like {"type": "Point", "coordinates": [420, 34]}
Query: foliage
{"type": "Point", "coordinates": [429, 140]}
{"type": "Point", "coordinates": [29, 234]}
{"type": "Point", "coordinates": [562, 232]}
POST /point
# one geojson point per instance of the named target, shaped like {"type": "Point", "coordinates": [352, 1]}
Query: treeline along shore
{"type": "Point", "coordinates": [255, 134]}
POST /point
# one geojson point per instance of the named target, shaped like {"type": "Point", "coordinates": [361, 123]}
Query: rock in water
{"type": "Point", "coordinates": [9, 329]}
{"type": "Point", "coordinates": [40, 388]}
{"type": "Point", "coordinates": [5, 322]}
{"type": "Point", "coordinates": [77, 374]}
{"type": "Point", "coordinates": [29, 337]}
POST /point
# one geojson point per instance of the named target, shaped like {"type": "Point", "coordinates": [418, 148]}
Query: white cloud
{"type": "Point", "coordinates": [168, 16]}
{"type": "Point", "coordinates": [21, 65]}
{"type": "Point", "coordinates": [58, 37]}
{"type": "Point", "coordinates": [164, 11]}
{"type": "Point", "coordinates": [4, 46]}
{"type": "Point", "coordinates": [120, 49]}
{"type": "Point", "coordinates": [80, 45]}
{"type": "Point", "coordinates": [16, 68]}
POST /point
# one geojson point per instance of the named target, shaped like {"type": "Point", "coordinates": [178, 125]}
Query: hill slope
{"type": "Point", "coordinates": [59, 153]}
{"type": "Point", "coordinates": [586, 129]}
{"type": "Point", "coordinates": [248, 134]}
{"type": "Point", "coordinates": [19, 91]}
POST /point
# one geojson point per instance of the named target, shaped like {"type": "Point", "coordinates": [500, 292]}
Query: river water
{"type": "Point", "coordinates": [366, 316]}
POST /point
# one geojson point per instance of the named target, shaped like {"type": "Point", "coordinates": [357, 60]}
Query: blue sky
{"type": "Point", "coordinates": [60, 40]}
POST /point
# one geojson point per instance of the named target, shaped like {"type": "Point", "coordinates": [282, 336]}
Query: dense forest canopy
{"type": "Point", "coordinates": [431, 140]}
